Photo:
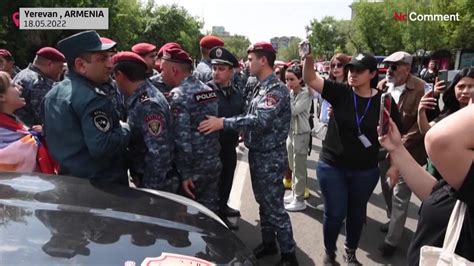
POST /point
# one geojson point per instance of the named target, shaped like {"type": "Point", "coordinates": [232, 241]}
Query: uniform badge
{"type": "Point", "coordinates": [205, 96]}
{"type": "Point", "coordinates": [101, 121]}
{"type": "Point", "coordinates": [271, 100]}
{"type": "Point", "coordinates": [218, 52]}
{"type": "Point", "coordinates": [154, 124]}
{"type": "Point", "coordinates": [144, 97]}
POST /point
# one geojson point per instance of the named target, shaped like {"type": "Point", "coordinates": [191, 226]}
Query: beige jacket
{"type": "Point", "coordinates": [300, 105]}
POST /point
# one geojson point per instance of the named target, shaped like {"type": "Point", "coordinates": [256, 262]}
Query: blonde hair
{"type": "Point", "coordinates": [5, 81]}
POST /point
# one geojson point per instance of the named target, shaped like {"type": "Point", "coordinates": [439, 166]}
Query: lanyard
{"type": "Point", "coordinates": [359, 119]}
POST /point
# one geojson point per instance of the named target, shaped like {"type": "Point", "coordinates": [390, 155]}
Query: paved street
{"type": "Point", "coordinates": [307, 225]}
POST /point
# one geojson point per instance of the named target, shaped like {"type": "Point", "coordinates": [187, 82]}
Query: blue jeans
{"type": "Point", "coordinates": [346, 193]}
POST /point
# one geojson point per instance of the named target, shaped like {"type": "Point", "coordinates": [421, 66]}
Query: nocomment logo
{"type": "Point", "coordinates": [413, 16]}
{"type": "Point", "coordinates": [16, 18]}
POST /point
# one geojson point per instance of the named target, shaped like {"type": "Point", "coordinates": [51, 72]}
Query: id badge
{"type": "Point", "coordinates": [364, 140]}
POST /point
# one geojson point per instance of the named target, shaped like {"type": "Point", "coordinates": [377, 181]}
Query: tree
{"type": "Point", "coordinates": [237, 45]}
{"type": "Point", "coordinates": [325, 36]}
{"type": "Point", "coordinates": [290, 52]}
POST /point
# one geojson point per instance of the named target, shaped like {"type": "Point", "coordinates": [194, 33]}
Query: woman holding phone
{"type": "Point", "coordinates": [347, 170]}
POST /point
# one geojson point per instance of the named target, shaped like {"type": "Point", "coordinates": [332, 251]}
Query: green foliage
{"type": "Point", "coordinates": [326, 36]}
{"type": "Point", "coordinates": [237, 44]}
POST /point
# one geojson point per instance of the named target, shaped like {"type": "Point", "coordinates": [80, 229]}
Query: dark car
{"type": "Point", "coordinates": [58, 220]}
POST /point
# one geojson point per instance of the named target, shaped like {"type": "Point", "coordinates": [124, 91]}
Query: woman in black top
{"type": "Point", "coordinates": [450, 145]}
{"type": "Point", "coordinates": [347, 170]}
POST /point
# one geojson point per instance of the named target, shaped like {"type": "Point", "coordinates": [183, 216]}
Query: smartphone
{"type": "Point", "coordinates": [384, 118]}
{"type": "Point", "coordinates": [304, 49]}
{"type": "Point", "coordinates": [443, 75]}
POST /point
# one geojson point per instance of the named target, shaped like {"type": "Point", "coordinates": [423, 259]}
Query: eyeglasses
{"type": "Point", "coordinates": [393, 66]}
{"type": "Point", "coordinates": [338, 65]}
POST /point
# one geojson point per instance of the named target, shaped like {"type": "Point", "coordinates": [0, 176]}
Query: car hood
{"type": "Point", "coordinates": [46, 219]}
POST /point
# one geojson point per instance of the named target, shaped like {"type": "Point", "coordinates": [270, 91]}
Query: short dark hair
{"type": "Point", "coordinates": [134, 71]}
{"type": "Point", "coordinates": [270, 57]}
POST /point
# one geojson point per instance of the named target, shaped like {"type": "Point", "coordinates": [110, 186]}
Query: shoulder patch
{"type": "Point", "coordinates": [99, 91]}
{"type": "Point", "coordinates": [144, 97]}
{"type": "Point", "coordinates": [154, 124]}
{"type": "Point", "coordinates": [205, 96]}
{"type": "Point", "coordinates": [271, 100]}
{"type": "Point", "coordinates": [101, 120]}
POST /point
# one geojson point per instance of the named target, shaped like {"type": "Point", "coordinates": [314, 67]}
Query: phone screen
{"type": "Point", "coordinates": [384, 118]}
{"type": "Point", "coordinates": [428, 87]}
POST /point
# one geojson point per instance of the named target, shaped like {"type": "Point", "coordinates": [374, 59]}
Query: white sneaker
{"type": "Point", "coordinates": [289, 198]}
{"type": "Point", "coordinates": [320, 207]}
{"type": "Point", "coordinates": [295, 206]}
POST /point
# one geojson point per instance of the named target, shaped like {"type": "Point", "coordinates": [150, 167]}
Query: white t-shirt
{"type": "Point", "coordinates": [397, 91]}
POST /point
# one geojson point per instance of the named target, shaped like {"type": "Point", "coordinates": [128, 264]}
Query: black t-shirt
{"type": "Point", "coordinates": [342, 147]}
{"type": "Point", "coordinates": [434, 217]}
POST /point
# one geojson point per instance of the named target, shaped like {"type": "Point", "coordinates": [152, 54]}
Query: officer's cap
{"type": "Point", "coordinates": [128, 56]}
{"type": "Point", "coordinates": [167, 46]}
{"type": "Point", "coordinates": [51, 54]}
{"type": "Point", "coordinates": [261, 46]}
{"type": "Point", "coordinates": [143, 48]}
{"type": "Point", "coordinates": [211, 41]}
{"type": "Point", "coordinates": [82, 42]}
{"type": "Point", "coordinates": [221, 56]}
{"type": "Point", "coordinates": [177, 55]}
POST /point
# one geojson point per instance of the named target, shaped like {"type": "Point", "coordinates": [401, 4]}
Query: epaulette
{"type": "Point", "coordinates": [144, 97]}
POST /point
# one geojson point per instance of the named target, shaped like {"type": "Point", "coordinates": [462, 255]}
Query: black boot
{"type": "Point", "coordinates": [265, 249]}
{"type": "Point", "coordinates": [288, 259]}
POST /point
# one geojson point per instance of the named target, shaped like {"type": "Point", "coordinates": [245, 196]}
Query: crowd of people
{"type": "Point", "coordinates": [148, 118]}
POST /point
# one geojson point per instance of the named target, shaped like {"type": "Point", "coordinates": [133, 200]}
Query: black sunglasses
{"type": "Point", "coordinates": [393, 66]}
{"type": "Point", "coordinates": [338, 65]}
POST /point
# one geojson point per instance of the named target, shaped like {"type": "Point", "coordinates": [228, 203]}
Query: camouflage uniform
{"type": "Point", "coordinates": [35, 86]}
{"type": "Point", "coordinates": [157, 81]}
{"type": "Point", "coordinates": [240, 80]}
{"type": "Point", "coordinates": [197, 155]}
{"type": "Point", "coordinates": [231, 103]}
{"type": "Point", "coordinates": [266, 128]}
{"type": "Point", "coordinates": [151, 144]}
{"type": "Point", "coordinates": [114, 95]}
{"type": "Point", "coordinates": [204, 71]}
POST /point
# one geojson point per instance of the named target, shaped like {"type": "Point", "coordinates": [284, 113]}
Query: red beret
{"type": "Point", "coordinates": [167, 46]}
{"type": "Point", "coordinates": [177, 55]}
{"type": "Point", "coordinates": [143, 48]}
{"type": "Point", "coordinates": [5, 53]}
{"type": "Point", "coordinates": [106, 40]}
{"type": "Point", "coordinates": [261, 46]}
{"type": "Point", "coordinates": [210, 42]}
{"type": "Point", "coordinates": [128, 56]}
{"type": "Point", "coordinates": [51, 54]}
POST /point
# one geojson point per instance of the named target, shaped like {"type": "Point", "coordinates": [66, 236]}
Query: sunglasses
{"type": "Point", "coordinates": [338, 65]}
{"type": "Point", "coordinates": [393, 66]}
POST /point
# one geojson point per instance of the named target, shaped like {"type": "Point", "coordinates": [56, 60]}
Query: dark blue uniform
{"type": "Point", "coordinates": [231, 103]}
{"type": "Point", "coordinates": [197, 155]}
{"type": "Point", "coordinates": [83, 132]}
{"type": "Point", "coordinates": [35, 86]}
{"type": "Point", "coordinates": [266, 126]}
{"type": "Point", "coordinates": [151, 144]}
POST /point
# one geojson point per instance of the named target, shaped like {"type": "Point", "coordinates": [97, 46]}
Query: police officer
{"type": "Point", "coordinates": [149, 117]}
{"type": "Point", "coordinates": [148, 52]}
{"type": "Point", "coordinates": [157, 80]}
{"type": "Point", "coordinates": [231, 103]}
{"type": "Point", "coordinates": [83, 132]}
{"type": "Point", "coordinates": [266, 126]}
{"type": "Point", "coordinates": [197, 155]}
{"type": "Point", "coordinates": [110, 87]}
{"type": "Point", "coordinates": [204, 69]}
{"type": "Point", "coordinates": [37, 79]}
